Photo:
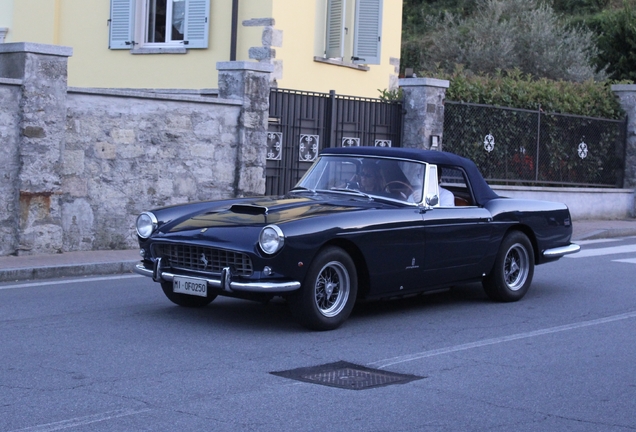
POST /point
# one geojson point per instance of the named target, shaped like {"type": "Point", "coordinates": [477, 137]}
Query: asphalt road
{"type": "Point", "coordinates": [112, 354]}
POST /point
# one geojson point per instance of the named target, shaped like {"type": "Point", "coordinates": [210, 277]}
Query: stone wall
{"type": "Point", "coordinates": [9, 164]}
{"type": "Point", "coordinates": [79, 165]}
{"type": "Point", "coordinates": [127, 152]}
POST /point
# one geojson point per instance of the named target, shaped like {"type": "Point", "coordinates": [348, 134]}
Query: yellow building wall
{"type": "Point", "coordinates": [83, 26]}
{"type": "Point", "coordinates": [6, 14]}
{"type": "Point", "coordinates": [298, 19]}
{"type": "Point", "coordinates": [34, 21]}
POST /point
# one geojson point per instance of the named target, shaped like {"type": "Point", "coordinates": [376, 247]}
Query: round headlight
{"type": "Point", "coordinates": [146, 224]}
{"type": "Point", "coordinates": [271, 239]}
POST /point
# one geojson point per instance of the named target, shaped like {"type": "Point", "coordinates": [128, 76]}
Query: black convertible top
{"type": "Point", "coordinates": [483, 193]}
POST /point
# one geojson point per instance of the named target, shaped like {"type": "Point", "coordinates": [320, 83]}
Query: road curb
{"type": "Point", "coordinates": [57, 271]}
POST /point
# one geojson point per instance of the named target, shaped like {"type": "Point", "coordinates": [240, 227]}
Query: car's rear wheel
{"type": "Point", "coordinates": [329, 291]}
{"type": "Point", "coordinates": [512, 273]}
{"type": "Point", "coordinates": [185, 299]}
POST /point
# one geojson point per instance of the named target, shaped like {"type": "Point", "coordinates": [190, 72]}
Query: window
{"type": "Point", "coordinates": [158, 14]}
{"type": "Point", "coordinates": [354, 30]}
{"type": "Point", "coordinates": [159, 24]}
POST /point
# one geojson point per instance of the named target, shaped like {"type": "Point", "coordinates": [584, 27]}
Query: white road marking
{"type": "Point", "coordinates": [425, 354]}
{"type": "Point", "coordinates": [629, 260]}
{"type": "Point", "coordinates": [81, 421]}
{"type": "Point", "coordinates": [603, 251]}
{"type": "Point", "coordinates": [587, 242]}
{"type": "Point", "coordinates": [64, 282]}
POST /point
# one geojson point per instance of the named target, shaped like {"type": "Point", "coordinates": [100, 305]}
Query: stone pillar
{"type": "Point", "coordinates": [424, 117]}
{"type": "Point", "coordinates": [41, 125]}
{"type": "Point", "coordinates": [626, 94]}
{"type": "Point", "coordinates": [248, 82]}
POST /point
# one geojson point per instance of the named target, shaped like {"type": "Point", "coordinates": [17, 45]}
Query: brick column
{"type": "Point", "coordinates": [41, 123]}
{"type": "Point", "coordinates": [250, 83]}
{"type": "Point", "coordinates": [424, 106]}
{"type": "Point", "coordinates": [626, 94]}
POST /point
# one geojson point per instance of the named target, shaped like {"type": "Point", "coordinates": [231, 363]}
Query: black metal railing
{"type": "Point", "coordinates": [527, 147]}
{"type": "Point", "coordinates": [303, 123]}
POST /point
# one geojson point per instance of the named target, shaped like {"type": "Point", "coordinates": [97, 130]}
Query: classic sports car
{"type": "Point", "coordinates": [362, 223]}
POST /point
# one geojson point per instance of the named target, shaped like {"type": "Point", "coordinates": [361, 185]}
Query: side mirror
{"type": "Point", "coordinates": [432, 200]}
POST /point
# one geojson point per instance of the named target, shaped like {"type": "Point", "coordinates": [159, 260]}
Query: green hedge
{"type": "Point", "coordinates": [516, 90]}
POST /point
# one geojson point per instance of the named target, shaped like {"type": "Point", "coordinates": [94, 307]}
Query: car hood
{"type": "Point", "coordinates": [264, 210]}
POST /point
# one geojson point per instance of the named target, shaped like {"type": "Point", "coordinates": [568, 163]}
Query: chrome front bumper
{"type": "Point", "coordinates": [225, 282]}
{"type": "Point", "coordinates": [560, 251]}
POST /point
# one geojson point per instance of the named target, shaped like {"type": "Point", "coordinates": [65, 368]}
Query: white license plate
{"type": "Point", "coordinates": [190, 286]}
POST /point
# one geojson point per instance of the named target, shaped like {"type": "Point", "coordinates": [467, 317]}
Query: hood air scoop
{"type": "Point", "coordinates": [249, 209]}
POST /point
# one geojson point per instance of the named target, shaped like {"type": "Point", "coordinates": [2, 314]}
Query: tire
{"type": "Point", "coordinates": [511, 276]}
{"type": "Point", "coordinates": [184, 299]}
{"type": "Point", "coordinates": [329, 291]}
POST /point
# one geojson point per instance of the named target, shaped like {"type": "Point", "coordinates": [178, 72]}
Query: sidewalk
{"type": "Point", "coordinates": [89, 263]}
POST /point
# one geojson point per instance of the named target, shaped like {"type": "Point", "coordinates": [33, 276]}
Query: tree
{"type": "Point", "coordinates": [506, 34]}
{"type": "Point", "coordinates": [617, 43]}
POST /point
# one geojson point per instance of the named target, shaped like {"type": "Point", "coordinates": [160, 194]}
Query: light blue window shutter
{"type": "Point", "coordinates": [197, 24]}
{"type": "Point", "coordinates": [122, 14]}
{"type": "Point", "coordinates": [335, 28]}
{"type": "Point", "coordinates": [368, 31]}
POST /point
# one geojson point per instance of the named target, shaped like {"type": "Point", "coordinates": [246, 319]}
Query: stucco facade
{"type": "Point", "coordinates": [293, 40]}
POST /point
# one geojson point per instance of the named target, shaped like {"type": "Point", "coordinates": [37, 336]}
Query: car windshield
{"type": "Point", "coordinates": [369, 176]}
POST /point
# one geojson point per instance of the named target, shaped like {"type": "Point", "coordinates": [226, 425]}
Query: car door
{"type": "Point", "coordinates": [392, 242]}
{"type": "Point", "coordinates": [456, 241]}
{"type": "Point", "coordinates": [457, 233]}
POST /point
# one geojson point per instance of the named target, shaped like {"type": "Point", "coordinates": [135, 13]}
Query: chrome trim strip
{"type": "Point", "coordinates": [234, 286]}
{"type": "Point", "coordinates": [560, 251]}
{"type": "Point", "coordinates": [140, 269]}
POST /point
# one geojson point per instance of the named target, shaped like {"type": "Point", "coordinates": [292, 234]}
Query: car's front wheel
{"type": "Point", "coordinates": [185, 299]}
{"type": "Point", "coordinates": [512, 273]}
{"type": "Point", "coordinates": [329, 291]}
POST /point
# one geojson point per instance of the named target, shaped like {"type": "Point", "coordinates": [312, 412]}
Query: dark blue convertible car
{"type": "Point", "coordinates": [362, 223]}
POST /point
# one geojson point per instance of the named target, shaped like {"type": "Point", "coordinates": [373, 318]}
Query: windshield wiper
{"type": "Point", "coordinates": [351, 191]}
{"type": "Point", "coordinates": [302, 189]}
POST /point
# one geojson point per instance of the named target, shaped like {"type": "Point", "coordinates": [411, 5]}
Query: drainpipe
{"type": "Point", "coordinates": [235, 6]}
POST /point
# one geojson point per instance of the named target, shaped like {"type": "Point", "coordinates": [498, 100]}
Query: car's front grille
{"type": "Point", "coordinates": [203, 259]}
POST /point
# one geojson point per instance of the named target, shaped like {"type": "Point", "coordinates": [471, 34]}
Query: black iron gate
{"type": "Point", "coordinates": [303, 123]}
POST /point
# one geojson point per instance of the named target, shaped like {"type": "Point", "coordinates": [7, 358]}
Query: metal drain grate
{"type": "Point", "coordinates": [346, 375]}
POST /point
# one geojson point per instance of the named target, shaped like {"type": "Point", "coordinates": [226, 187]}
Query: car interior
{"type": "Point", "coordinates": [454, 180]}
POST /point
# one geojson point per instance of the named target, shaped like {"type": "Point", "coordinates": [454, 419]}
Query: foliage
{"type": "Point", "coordinates": [579, 6]}
{"type": "Point", "coordinates": [391, 95]}
{"type": "Point", "coordinates": [617, 42]}
{"type": "Point", "coordinates": [505, 34]}
{"type": "Point", "coordinates": [518, 90]}
{"type": "Point", "coordinates": [415, 25]}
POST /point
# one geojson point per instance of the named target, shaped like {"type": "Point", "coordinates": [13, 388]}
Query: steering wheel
{"type": "Point", "coordinates": [395, 186]}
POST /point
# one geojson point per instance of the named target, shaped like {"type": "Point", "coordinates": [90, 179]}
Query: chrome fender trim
{"type": "Point", "coordinates": [560, 251]}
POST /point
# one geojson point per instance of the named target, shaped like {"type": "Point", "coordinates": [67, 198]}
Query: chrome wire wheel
{"type": "Point", "coordinates": [332, 289]}
{"type": "Point", "coordinates": [512, 272]}
{"type": "Point", "coordinates": [329, 290]}
{"type": "Point", "coordinates": [516, 267]}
